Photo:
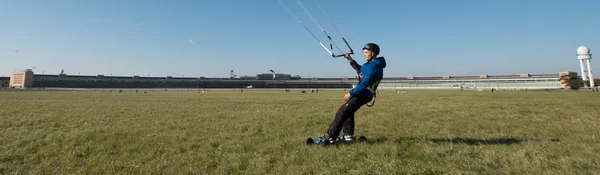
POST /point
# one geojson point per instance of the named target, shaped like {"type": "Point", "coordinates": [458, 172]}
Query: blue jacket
{"type": "Point", "coordinates": [371, 74]}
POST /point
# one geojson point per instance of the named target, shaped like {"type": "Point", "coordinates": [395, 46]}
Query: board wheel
{"type": "Point", "coordinates": [362, 139]}
{"type": "Point", "coordinates": [310, 141]}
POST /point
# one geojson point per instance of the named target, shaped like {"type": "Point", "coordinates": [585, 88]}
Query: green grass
{"type": "Point", "coordinates": [263, 132]}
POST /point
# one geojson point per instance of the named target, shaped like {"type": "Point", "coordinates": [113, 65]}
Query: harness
{"type": "Point", "coordinates": [372, 88]}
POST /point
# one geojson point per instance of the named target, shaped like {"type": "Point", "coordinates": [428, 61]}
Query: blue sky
{"type": "Point", "coordinates": [419, 38]}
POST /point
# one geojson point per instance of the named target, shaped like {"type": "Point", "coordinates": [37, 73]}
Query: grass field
{"type": "Point", "coordinates": [263, 132]}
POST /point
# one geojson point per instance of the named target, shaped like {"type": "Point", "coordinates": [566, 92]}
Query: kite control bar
{"type": "Point", "coordinates": [351, 51]}
{"type": "Point", "coordinates": [329, 37]}
{"type": "Point", "coordinates": [335, 56]}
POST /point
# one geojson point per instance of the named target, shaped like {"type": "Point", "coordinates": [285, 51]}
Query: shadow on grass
{"type": "Point", "coordinates": [458, 140]}
{"type": "Point", "coordinates": [376, 140]}
{"type": "Point", "coordinates": [474, 141]}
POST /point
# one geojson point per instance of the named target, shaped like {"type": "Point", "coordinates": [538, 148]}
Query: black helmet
{"type": "Point", "coordinates": [372, 47]}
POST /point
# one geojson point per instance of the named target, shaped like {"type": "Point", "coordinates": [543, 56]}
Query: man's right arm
{"type": "Point", "coordinates": [355, 65]}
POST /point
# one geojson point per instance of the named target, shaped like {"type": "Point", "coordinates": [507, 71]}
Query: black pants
{"type": "Point", "coordinates": [344, 118]}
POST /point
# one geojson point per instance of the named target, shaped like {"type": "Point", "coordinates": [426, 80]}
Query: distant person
{"type": "Point", "coordinates": [371, 74]}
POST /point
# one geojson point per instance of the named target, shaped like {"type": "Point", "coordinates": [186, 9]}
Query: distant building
{"type": "Point", "coordinates": [476, 82]}
{"type": "Point", "coordinates": [497, 82]}
{"type": "Point", "coordinates": [21, 79]}
{"type": "Point", "coordinates": [269, 76]}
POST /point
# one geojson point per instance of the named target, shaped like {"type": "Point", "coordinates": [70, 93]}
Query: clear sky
{"type": "Point", "coordinates": [419, 38]}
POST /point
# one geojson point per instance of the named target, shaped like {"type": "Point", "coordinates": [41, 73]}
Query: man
{"type": "Point", "coordinates": [370, 74]}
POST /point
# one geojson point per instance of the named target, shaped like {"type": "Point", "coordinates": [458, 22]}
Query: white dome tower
{"type": "Point", "coordinates": [583, 53]}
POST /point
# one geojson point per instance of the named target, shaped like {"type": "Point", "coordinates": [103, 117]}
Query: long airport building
{"type": "Point", "coordinates": [28, 79]}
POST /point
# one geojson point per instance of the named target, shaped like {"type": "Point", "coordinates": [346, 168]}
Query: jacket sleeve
{"type": "Point", "coordinates": [355, 65]}
{"type": "Point", "coordinates": [366, 81]}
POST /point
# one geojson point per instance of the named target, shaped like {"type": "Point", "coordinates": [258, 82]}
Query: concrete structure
{"type": "Point", "coordinates": [563, 83]}
{"type": "Point", "coordinates": [446, 82]}
{"type": "Point", "coordinates": [480, 82]}
{"type": "Point", "coordinates": [583, 54]}
{"type": "Point", "coordinates": [21, 79]}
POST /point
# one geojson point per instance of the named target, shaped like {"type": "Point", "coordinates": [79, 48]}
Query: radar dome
{"type": "Point", "coordinates": [583, 50]}
{"type": "Point", "coordinates": [583, 53]}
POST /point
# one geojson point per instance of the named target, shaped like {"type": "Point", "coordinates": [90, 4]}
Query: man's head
{"type": "Point", "coordinates": [371, 50]}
